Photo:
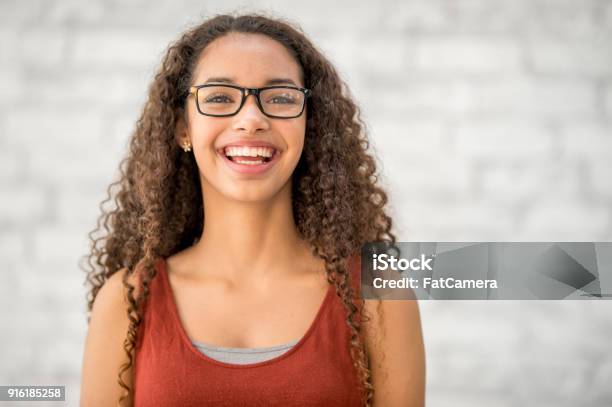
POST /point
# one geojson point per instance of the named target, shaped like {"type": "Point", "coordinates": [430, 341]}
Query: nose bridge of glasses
{"type": "Point", "coordinates": [255, 93]}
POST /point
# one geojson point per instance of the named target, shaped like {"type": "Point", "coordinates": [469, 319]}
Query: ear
{"type": "Point", "coordinates": [181, 131]}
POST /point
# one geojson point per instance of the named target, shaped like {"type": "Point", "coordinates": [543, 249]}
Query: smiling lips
{"type": "Point", "coordinates": [249, 155]}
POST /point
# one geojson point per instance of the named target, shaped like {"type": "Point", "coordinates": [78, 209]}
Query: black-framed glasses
{"type": "Point", "coordinates": [279, 102]}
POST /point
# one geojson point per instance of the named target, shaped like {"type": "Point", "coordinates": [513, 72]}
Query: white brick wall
{"type": "Point", "coordinates": [492, 120]}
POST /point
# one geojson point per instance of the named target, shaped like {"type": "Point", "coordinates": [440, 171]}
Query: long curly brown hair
{"type": "Point", "coordinates": [158, 208]}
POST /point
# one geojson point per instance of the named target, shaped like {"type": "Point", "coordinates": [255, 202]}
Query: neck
{"type": "Point", "coordinates": [249, 239]}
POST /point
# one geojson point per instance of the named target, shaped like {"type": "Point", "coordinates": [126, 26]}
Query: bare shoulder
{"type": "Point", "coordinates": [104, 353]}
{"type": "Point", "coordinates": [111, 302]}
{"type": "Point", "coordinates": [394, 341]}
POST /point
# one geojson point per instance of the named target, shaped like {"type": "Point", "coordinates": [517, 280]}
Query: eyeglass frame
{"type": "Point", "coordinates": [193, 90]}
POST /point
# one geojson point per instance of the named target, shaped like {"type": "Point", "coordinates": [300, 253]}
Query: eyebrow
{"type": "Point", "coordinates": [273, 81]}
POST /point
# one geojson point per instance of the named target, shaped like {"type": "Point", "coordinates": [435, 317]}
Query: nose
{"type": "Point", "coordinates": [250, 118]}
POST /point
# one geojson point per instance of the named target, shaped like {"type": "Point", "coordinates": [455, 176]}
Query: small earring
{"type": "Point", "coordinates": [186, 147]}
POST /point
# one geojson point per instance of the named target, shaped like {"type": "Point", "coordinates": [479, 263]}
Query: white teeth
{"type": "Point", "coordinates": [249, 151]}
{"type": "Point", "coordinates": [249, 162]}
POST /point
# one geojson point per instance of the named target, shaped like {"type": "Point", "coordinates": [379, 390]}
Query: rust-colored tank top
{"type": "Point", "coordinates": [170, 371]}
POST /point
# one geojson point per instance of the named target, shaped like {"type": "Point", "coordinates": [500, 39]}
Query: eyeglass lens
{"type": "Point", "coordinates": [222, 100]}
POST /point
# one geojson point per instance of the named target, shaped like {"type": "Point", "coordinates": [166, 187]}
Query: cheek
{"type": "Point", "coordinates": [295, 134]}
{"type": "Point", "coordinates": [295, 146]}
{"type": "Point", "coordinates": [204, 133]}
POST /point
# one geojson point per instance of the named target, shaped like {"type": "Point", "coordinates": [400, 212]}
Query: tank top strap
{"type": "Point", "coordinates": [354, 268]}
{"type": "Point", "coordinates": [158, 321]}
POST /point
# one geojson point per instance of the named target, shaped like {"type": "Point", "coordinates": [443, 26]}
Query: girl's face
{"type": "Point", "coordinates": [251, 61]}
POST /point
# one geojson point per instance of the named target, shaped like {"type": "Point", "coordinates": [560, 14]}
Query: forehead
{"type": "Point", "coordinates": [249, 59]}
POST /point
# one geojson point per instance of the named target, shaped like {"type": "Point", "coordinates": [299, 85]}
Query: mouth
{"type": "Point", "coordinates": [249, 159]}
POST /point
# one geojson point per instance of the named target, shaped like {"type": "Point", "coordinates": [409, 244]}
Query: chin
{"type": "Point", "coordinates": [252, 193]}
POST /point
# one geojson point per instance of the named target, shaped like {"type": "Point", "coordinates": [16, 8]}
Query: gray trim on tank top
{"type": "Point", "coordinates": [243, 356]}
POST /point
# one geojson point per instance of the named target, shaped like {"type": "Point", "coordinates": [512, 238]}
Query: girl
{"type": "Point", "coordinates": [229, 271]}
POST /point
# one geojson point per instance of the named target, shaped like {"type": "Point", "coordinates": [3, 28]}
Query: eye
{"type": "Point", "coordinates": [219, 98]}
{"type": "Point", "coordinates": [281, 99]}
